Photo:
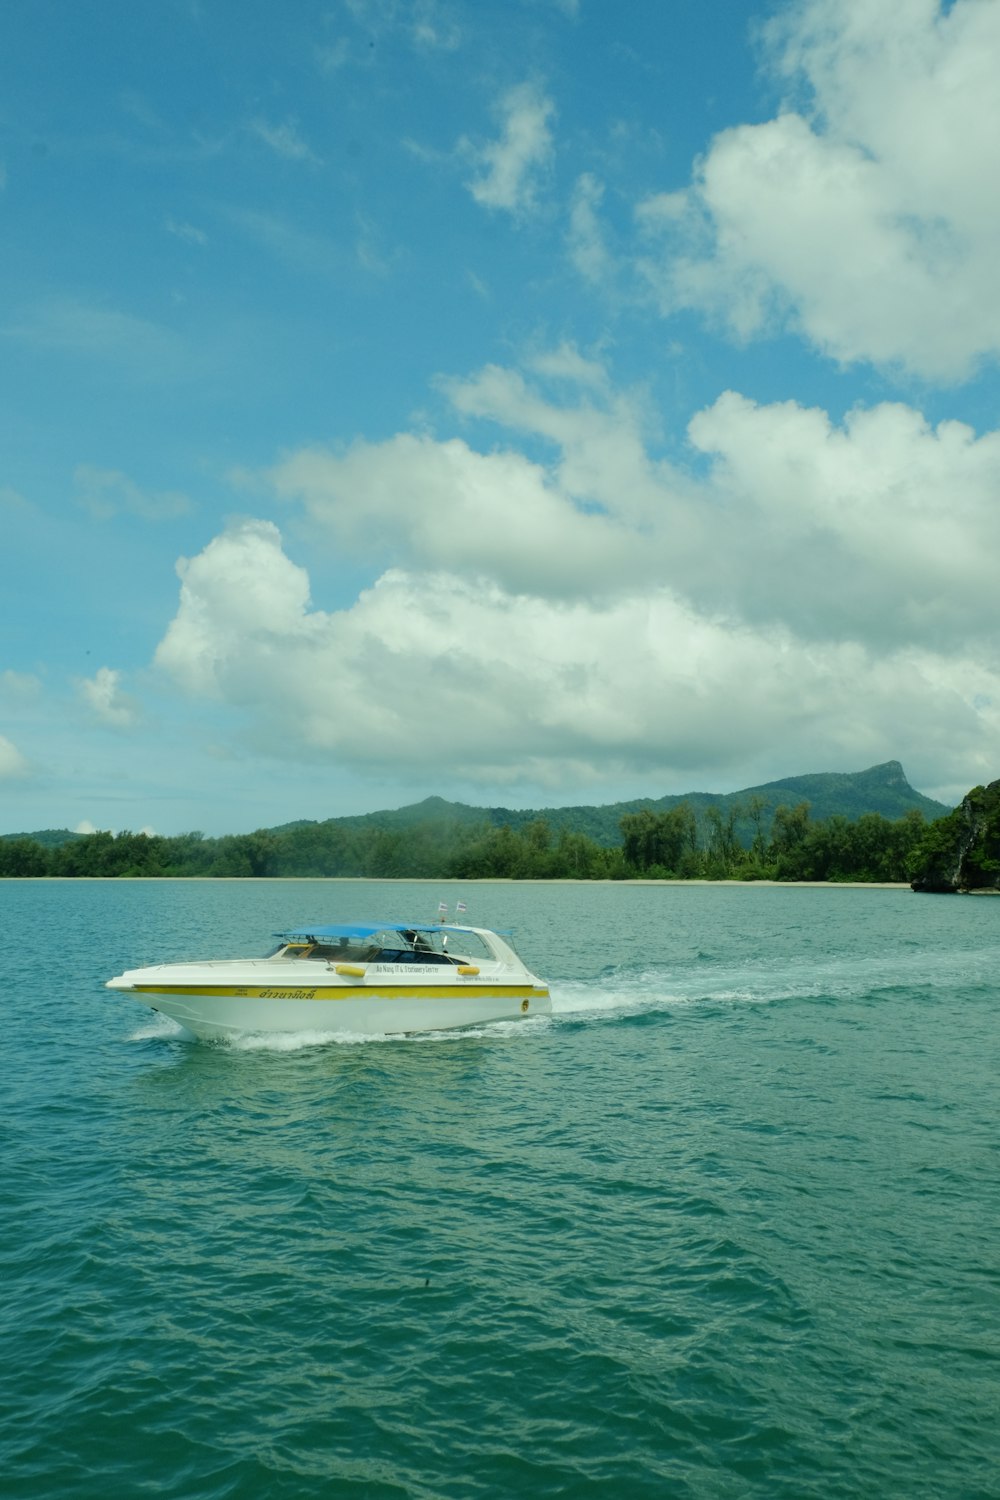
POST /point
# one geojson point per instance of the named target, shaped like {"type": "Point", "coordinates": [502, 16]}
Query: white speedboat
{"type": "Point", "coordinates": [358, 977]}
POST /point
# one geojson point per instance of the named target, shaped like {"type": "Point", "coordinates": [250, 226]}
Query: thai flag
{"type": "Point", "coordinates": [442, 908]}
{"type": "Point", "coordinates": [460, 907]}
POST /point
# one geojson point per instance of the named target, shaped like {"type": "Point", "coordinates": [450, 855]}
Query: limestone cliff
{"type": "Point", "coordinates": [962, 851]}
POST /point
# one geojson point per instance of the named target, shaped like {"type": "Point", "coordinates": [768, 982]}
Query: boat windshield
{"type": "Point", "coordinates": [392, 945]}
{"type": "Point", "coordinates": [435, 945]}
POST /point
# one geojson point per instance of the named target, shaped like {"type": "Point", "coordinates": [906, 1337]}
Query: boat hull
{"type": "Point", "coordinates": [225, 1012]}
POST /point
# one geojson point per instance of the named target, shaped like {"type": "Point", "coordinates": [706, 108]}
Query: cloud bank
{"type": "Point", "coordinates": [802, 592]}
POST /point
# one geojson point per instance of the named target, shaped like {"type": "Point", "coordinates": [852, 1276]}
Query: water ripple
{"type": "Point", "coordinates": [723, 1227]}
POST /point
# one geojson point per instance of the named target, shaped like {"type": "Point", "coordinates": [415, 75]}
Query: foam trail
{"type": "Point", "coordinates": [293, 1041]}
{"type": "Point", "coordinates": [628, 991]}
{"type": "Point", "coordinates": [609, 999]}
{"type": "Point", "coordinates": [296, 1041]}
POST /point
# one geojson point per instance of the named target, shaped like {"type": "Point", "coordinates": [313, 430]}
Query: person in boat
{"type": "Point", "coordinates": [416, 940]}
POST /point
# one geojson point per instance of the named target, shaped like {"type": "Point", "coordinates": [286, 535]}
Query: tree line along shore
{"type": "Point", "coordinates": [740, 841]}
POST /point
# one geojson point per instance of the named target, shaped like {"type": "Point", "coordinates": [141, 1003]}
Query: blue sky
{"type": "Point", "coordinates": [531, 403]}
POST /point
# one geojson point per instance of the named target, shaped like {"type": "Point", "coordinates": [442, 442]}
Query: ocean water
{"type": "Point", "coordinates": [725, 1226]}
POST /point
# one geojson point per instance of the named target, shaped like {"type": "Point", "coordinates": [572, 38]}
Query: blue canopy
{"type": "Point", "coordinates": [364, 929]}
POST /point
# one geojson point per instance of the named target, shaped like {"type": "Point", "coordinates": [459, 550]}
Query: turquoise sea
{"type": "Point", "coordinates": [725, 1226]}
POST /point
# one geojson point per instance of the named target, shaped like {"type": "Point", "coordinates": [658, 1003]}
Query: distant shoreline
{"type": "Point", "coordinates": [452, 880]}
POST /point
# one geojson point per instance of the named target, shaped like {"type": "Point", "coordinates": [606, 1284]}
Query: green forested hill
{"type": "Point", "coordinates": [881, 789]}
{"type": "Point", "coordinates": [871, 826]}
{"type": "Point", "coordinates": [48, 838]}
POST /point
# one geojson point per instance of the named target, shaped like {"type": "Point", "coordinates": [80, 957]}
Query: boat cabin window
{"type": "Point", "coordinates": [343, 952]}
{"type": "Point", "coordinates": [340, 951]}
{"type": "Point", "coordinates": [392, 946]}
{"type": "Point", "coordinates": [413, 956]}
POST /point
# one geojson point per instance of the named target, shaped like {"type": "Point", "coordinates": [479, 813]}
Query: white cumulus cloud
{"type": "Point", "coordinates": [882, 529]}
{"type": "Point", "coordinates": [241, 598]}
{"type": "Point", "coordinates": [430, 671]}
{"type": "Point", "coordinates": [508, 169]}
{"type": "Point", "coordinates": [866, 219]}
{"type": "Point", "coordinates": [104, 697]}
{"type": "Point", "coordinates": [804, 592]}
{"type": "Point", "coordinates": [13, 764]}
{"type": "Point", "coordinates": [447, 507]}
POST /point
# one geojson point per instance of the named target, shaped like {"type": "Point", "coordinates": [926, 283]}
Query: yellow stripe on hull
{"type": "Point", "coordinates": [349, 992]}
{"type": "Point", "coordinates": [227, 1011]}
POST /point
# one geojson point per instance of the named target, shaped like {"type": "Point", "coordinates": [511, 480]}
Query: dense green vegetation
{"type": "Point", "coordinates": [962, 851]}
{"type": "Point", "coordinates": [736, 841]}
{"type": "Point", "coordinates": [877, 830]}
